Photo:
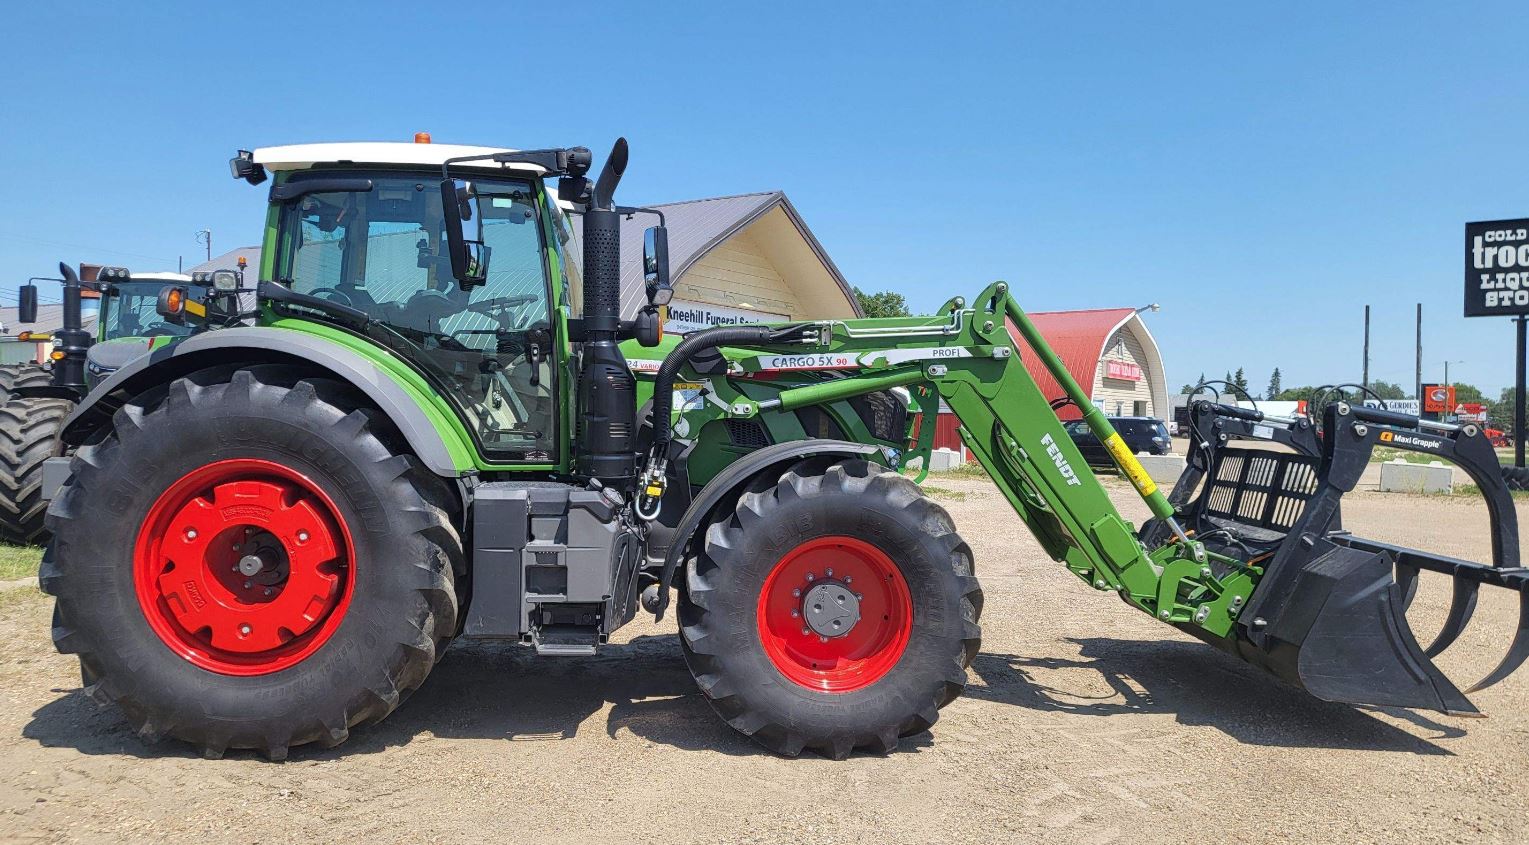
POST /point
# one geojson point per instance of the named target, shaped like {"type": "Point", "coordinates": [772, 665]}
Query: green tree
{"type": "Point", "coordinates": [1273, 390]}
{"type": "Point", "coordinates": [1388, 390]}
{"type": "Point", "coordinates": [1241, 380]}
{"type": "Point", "coordinates": [882, 304]}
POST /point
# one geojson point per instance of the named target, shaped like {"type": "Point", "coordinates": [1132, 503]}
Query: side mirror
{"type": "Point", "coordinates": [655, 265]}
{"type": "Point", "coordinates": [26, 310]}
{"type": "Point", "coordinates": [464, 233]}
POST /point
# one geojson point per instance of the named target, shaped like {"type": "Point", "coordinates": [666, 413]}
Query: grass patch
{"type": "Point", "coordinates": [20, 596]}
{"type": "Point", "coordinates": [943, 493]}
{"type": "Point", "coordinates": [19, 562]}
{"type": "Point", "coordinates": [1473, 491]}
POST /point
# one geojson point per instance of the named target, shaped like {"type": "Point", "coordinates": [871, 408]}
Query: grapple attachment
{"type": "Point", "coordinates": [1329, 610]}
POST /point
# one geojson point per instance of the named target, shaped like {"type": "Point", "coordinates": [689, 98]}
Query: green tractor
{"type": "Point", "coordinates": [35, 399]}
{"type": "Point", "coordinates": [421, 422]}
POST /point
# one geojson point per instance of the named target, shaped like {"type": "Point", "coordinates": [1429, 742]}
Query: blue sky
{"type": "Point", "coordinates": [1261, 170]}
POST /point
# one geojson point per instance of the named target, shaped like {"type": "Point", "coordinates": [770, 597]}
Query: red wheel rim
{"type": "Point", "coordinates": [243, 567]}
{"type": "Point", "coordinates": [825, 661]}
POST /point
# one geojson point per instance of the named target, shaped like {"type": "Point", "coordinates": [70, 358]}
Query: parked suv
{"type": "Point", "coordinates": [1141, 434]}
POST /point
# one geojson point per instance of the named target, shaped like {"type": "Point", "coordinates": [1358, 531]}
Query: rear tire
{"type": "Point", "coordinates": [14, 376]}
{"type": "Point", "coordinates": [29, 431]}
{"type": "Point", "coordinates": [354, 526]}
{"type": "Point", "coordinates": [759, 573]}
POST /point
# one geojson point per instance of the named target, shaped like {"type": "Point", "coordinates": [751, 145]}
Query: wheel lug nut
{"type": "Point", "coordinates": [809, 577]}
{"type": "Point", "coordinates": [267, 590]}
{"type": "Point", "coordinates": [190, 533]}
{"type": "Point", "coordinates": [806, 630]}
{"type": "Point", "coordinates": [849, 579]}
{"type": "Point", "coordinates": [248, 584]}
{"type": "Point", "coordinates": [236, 547]}
{"type": "Point", "coordinates": [822, 639]}
{"type": "Point", "coordinates": [829, 573]}
{"type": "Point", "coordinates": [245, 629]}
{"type": "Point", "coordinates": [795, 613]}
{"type": "Point", "coordinates": [796, 593]}
{"type": "Point", "coordinates": [302, 536]}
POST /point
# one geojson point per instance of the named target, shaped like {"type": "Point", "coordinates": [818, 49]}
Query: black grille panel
{"type": "Point", "coordinates": [746, 433]}
{"type": "Point", "coordinates": [1263, 488]}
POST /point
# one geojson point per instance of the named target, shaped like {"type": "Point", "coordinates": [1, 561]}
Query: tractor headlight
{"type": "Point", "coordinates": [225, 281]}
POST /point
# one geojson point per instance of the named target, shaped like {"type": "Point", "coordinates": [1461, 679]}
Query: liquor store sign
{"type": "Point", "coordinates": [1497, 268]}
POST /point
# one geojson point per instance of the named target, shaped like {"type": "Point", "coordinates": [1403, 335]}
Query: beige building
{"type": "Point", "coordinates": [738, 259]}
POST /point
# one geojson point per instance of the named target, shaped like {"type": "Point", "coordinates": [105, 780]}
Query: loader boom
{"type": "Point", "coordinates": [968, 357]}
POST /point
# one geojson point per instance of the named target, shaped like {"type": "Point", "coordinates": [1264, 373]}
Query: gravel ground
{"type": "Point", "coordinates": [1085, 722]}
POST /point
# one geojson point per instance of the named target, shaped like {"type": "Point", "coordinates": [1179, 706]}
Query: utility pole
{"type": "Point", "coordinates": [1366, 379]}
{"type": "Point", "coordinates": [1419, 375]}
{"type": "Point", "coordinates": [1518, 397]}
{"type": "Point", "coordinates": [204, 236]}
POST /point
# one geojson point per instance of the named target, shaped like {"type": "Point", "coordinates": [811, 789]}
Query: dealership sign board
{"type": "Point", "coordinates": [686, 317]}
{"type": "Point", "coordinates": [1410, 407]}
{"type": "Point", "coordinates": [1124, 370]}
{"type": "Point", "coordinates": [1497, 268]}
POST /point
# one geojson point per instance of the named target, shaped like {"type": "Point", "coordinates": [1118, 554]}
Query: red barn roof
{"type": "Point", "coordinates": [1078, 338]}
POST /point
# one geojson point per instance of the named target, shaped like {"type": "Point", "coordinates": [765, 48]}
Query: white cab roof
{"type": "Point", "coordinates": [304, 156]}
{"type": "Point", "coordinates": [159, 277]}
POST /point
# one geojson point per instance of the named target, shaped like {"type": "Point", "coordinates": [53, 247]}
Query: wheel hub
{"type": "Point", "coordinates": [831, 609]}
{"type": "Point", "coordinates": [834, 614]}
{"type": "Point", "coordinates": [243, 567]}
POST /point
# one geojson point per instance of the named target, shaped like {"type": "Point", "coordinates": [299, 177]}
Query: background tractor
{"type": "Point", "coordinates": [421, 421]}
{"type": "Point", "coordinates": [37, 398]}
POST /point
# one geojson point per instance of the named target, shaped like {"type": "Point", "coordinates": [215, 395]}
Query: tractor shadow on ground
{"type": "Point", "coordinates": [1199, 686]}
{"type": "Point", "coordinates": [485, 691]}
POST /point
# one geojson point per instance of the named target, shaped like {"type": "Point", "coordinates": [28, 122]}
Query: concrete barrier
{"type": "Point", "coordinates": [1164, 469]}
{"type": "Point", "coordinates": [1398, 476]}
{"type": "Point", "coordinates": [944, 460]}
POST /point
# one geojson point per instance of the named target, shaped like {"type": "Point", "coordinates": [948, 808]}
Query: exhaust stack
{"type": "Point", "coordinates": [607, 436]}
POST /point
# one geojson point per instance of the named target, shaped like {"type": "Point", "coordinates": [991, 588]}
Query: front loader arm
{"type": "Point", "coordinates": [969, 357]}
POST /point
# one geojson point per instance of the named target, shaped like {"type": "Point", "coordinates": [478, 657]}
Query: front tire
{"type": "Point", "coordinates": [833, 610]}
{"type": "Point", "coordinates": [249, 559]}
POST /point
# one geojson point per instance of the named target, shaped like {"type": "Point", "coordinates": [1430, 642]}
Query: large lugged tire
{"type": "Point", "coordinates": [250, 560]}
{"type": "Point", "coordinates": [13, 376]}
{"type": "Point", "coordinates": [834, 609]}
{"type": "Point", "coordinates": [28, 436]}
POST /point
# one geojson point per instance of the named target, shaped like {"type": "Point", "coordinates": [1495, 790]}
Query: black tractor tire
{"type": "Point", "coordinates": [810, 504]}
{"type": "Point", "coordinates": [402, 607]}
{"type": "Point", "coordinates": [1517, 478]}
{"type": "Point", "coordinates": [14, 376]}
{"type": "Point", "coordinates": [29, 431]}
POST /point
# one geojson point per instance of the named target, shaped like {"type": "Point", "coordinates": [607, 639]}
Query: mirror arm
{"type": "Point", "coordinates": [629, 211]}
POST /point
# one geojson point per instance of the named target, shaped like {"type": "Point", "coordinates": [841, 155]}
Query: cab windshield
{"type": "Point", "coordinates": [128, 310]}
{"type": "Point", "coordinates": [383, 251]}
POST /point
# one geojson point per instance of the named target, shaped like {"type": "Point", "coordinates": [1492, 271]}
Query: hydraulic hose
{"type": "Point", "coordinates": [651, 485]}
{"type": "Point", "coordinates": [663, 383]}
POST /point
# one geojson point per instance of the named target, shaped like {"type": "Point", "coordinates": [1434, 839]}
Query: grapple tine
{"type": "Point", "coordinates": [1517, 652]}
{"type": "Point", "coordinates": [1462, 603]}
{"type": "Point", "coordinates": [1407, 580]}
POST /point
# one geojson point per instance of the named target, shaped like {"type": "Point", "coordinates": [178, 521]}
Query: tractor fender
{"type": "Point", "coordinates": [226, 345]}
{"type": "Point", "coordinates": [727, 483]}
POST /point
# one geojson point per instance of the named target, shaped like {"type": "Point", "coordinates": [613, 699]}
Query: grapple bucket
{"type": "Point", "coordinates": [1329, 611]}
